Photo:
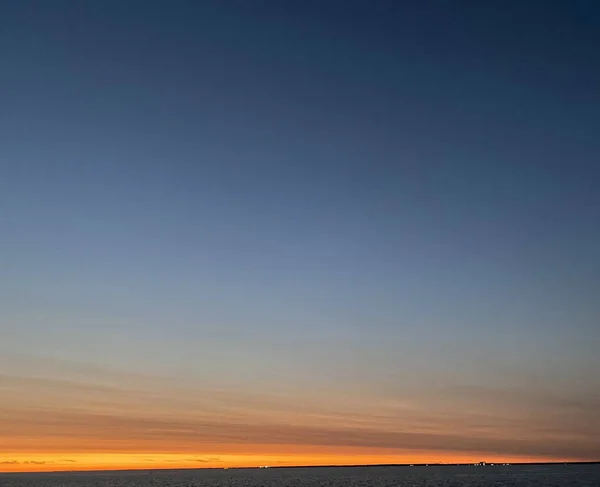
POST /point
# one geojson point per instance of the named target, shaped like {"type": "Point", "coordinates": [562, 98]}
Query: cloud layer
{"type": "Point", "coordinates": [85, 409]}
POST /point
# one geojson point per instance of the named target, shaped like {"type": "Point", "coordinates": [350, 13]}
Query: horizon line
{"type": "Point", "coordinates": [264, 467]}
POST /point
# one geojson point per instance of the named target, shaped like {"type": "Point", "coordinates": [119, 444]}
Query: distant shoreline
{"type": "Point", "coordinates": [408, 465]}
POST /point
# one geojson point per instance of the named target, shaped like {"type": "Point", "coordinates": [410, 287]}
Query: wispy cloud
{"type": "Point", "coordinates": [204, 460]}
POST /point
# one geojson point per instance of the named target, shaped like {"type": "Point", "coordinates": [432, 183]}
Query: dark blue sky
{"type": "Point", "coordinates": [305, 191]}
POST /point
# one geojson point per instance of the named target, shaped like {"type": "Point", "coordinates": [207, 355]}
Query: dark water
{"type": "Point", "coordinates": [509, 476]}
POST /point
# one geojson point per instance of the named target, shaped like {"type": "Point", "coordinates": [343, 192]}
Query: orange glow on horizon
{"type": "Point", "coordinates": [82, 418]}
{"type": "Point", "coordinates": [70, 461]}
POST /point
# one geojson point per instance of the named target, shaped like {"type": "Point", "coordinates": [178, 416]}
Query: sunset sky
{"type": "Point", "coordinates": [238, 233]}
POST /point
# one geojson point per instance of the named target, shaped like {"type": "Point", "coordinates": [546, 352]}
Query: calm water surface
{"type": "Point", "coordinates": [513, 476]}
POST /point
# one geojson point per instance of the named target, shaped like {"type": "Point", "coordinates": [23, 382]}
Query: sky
{"type": "Point", "coordinates": [236, 233]}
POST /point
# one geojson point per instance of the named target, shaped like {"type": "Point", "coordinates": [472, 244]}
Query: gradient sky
{"type": "Point", "coordinates": [245, 232]}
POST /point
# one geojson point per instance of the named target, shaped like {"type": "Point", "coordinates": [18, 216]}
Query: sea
{"type": "Point", "coordinates": [380, 476]}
